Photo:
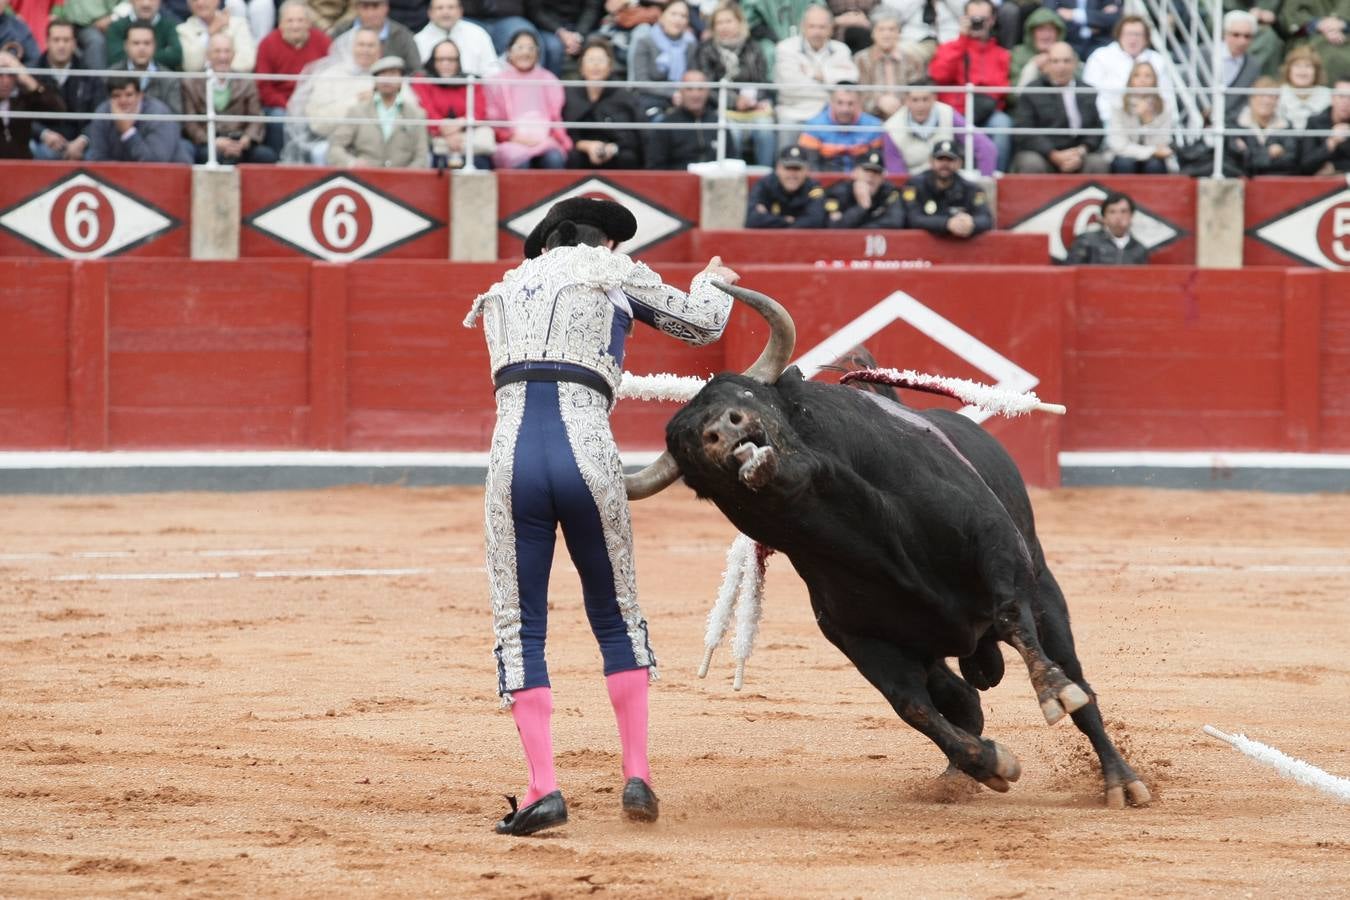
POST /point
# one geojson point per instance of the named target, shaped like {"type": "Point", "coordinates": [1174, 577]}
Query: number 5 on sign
{"type": "Point", "coordinates": [1340, 228]}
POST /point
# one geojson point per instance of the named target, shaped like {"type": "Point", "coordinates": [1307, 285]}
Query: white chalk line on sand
{"type": "Point", "coordinates": [1207, 569]}
{"type": "Point", "coordinates": [1288, 766]}
{"type": "Point", "coordinates": [223, 553]}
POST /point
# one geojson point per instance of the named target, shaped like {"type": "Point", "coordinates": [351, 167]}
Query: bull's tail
{"type": "Point", "coordinates": [983, 669]}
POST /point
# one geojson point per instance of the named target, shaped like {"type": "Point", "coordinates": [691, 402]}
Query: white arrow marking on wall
{"type": "Point", "coordinates": [1007, 374]}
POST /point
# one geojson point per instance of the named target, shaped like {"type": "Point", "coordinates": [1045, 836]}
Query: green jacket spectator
{"type": "Point", "coordinates": [168, 51]}
{"type": "Point", "coordinates": [1310, 21]}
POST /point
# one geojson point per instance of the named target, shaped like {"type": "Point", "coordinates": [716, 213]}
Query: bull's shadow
{"type": "Point", "coordinates": [915, 536]}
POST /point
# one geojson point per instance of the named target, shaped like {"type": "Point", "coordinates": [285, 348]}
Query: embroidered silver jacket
{"type": "Point", "coordinates": [562, 307]}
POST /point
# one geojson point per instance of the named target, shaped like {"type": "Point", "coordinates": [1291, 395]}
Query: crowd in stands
{"type": "Point", "coordinates": [857, 87]}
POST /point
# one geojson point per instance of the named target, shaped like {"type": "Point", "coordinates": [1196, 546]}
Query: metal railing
{"type": "Point", "coordinates": [1215, 132]}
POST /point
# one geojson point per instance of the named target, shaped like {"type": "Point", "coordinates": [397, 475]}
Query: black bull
{"type": "Point", "coordinates": [915, 537]}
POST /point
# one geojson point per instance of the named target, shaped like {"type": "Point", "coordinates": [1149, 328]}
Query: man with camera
{"type": "Point", "coordinates": [975, 57]}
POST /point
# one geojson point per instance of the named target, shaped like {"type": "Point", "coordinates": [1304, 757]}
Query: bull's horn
{"type": "Point", "coordinates": [782, 333]}
{"type": "Point", "coordinates": [662, 473]}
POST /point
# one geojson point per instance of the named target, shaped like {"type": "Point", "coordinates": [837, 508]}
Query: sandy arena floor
{"type": "Point", "coordinates": [319, 717]}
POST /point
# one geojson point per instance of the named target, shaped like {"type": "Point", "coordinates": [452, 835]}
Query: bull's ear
{"type": "Point", "coordinates": [791, 375]}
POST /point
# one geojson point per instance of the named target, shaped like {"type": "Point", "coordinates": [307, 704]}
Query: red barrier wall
{"type": "Point", "coordinates": [1063, 206]}
{"type": "Point", "coordinates": [344, 215]}
{"type": "Point", "coordinates": [911, 249]}
{"type": "Point", "coordinates": [294, 354]}
{"type": "Point", "coordinates": [1297, 221]}
{"type": "Point", "coordinates": [100, 209]}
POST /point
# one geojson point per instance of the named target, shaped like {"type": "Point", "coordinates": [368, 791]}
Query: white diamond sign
{"type": "Point", "coordinates": [1074, 213]}
{"type": "Point", "coordinates": [341, 219]}
{"type": "Point", "coordinates": [654, 224]}
{"type": "Point", "coordinates": [900, 306]}
{"type": "Point", "coordinates": [83, 217]}
{"type": "Point", "coordinates": [1317, 233]}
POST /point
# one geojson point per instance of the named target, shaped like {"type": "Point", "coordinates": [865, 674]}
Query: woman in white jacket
{"type": "Point", "coordinates": [1139, 135]}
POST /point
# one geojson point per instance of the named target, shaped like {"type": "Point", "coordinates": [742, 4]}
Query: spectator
{"type": "Point", "coordinates": [92, 17]}
{"type": "Point", "coordinates": [477, 56]}
{"type": "Point", "coordinates": [286, 51]}
{"type": "Point", "coordinates": [941, 202]}
{"type": "Point", "coordinates": [602, 148]}
{"type": "Point", "coordinates": [532, 101]}
{"type": "Point", "coordinates": [1067, 109]}
{"type": "Point", "coordinates": [771, 22]}
{"type": "Point", "coordinates": [1303, 89]}
{"type": "Point", "coordinates": [501, 19]}
{"type": "Point", "coordinates": [1011, 24]}
{"type": "Point", "coordinates": [21, 92]}
{"type": "Point", "coordinates": [787, 198]}
{"type": "Point", "coordinates": [168, 52]}
{"type": "Point", "coordinates": [1240, 68]}
{"type": "Point", "coordinates": [1108, 69]}
{"type": "Point", "coordinates": [139, 56]}
{"type": "Point", "coordinates": [208, 18]}
{"type": "Point", "coordinates": [662, 53]}
{"type": "Point", "coordinates": [974, 58]}
{"type": "Point", "coordinates": [1268, 45]}
{"type": "Point", "coordinates": [1271, 149]}
{"type": "Point", "coordinates": [1042, 28]}
{"type": "Point", "coordinates": [623, 22]}
{"type": "Point", "coordinates": [259, 15]}
{"type": "Point", "coordinates": [563, 27]}
{"type": "Point", "coordinates": [730, 55]}
{"type": "Point", "coordinates": [325, 96]}
{"type": "Point", "coordinates": [411, 14]}
{"type": "Point", "coordinates": [25, 24]}
{"type": "Point", "coordinates": [1331, 154]}
{"type": "Point", "coordinates": [806, 66]}
{"type": "Point", "coordinates": [889, 62]}
{"type": "Point", "coordinates": [914, 130]}
{"type": "Point", "coordinates": [125, 138]}
{"type": "Point", "coordinates": [927, 23]}
{"type": "Point", "coordinates": [1091, 23]}
{"type": "Point", "coordinates": [446, 107]}
{"type": "Point", "coordinates": [852, 24]}
{"type": "Point", "coordinates": [1140, 135]}
{"type": "Point", "coordinates": [867, 200]}
{"type": "Point", "coordinates": [1112, 244]}
{"type": "Point", "coordinates": [677, 148]}
{"type": "Point", "coordinates": [828, 146]}
{"type": "Point", "coordinates": [81, 93]}
{"type": "Point", "coordinates": [236, 141]}
{"type": "Point", "coordinates": [395, 38]}
{"type": "Point", "coordinates": [1321, 24]}
{"type": "Point", "coordinates": [14, 30]}
{"type": "Point", "coordinates": [390, 143]}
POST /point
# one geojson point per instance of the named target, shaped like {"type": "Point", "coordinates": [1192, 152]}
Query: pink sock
{"type": "Point", "coordinates": [628, 693]}
{"type": "Point", "coordinates": [532, 709]}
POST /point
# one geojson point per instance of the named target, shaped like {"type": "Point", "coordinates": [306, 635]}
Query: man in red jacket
{"type": "Point", "coordinates": [285, 51]}
{"type": "Point", "coordinates": [976, 58]}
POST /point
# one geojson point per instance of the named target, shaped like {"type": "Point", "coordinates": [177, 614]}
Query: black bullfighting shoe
{"type": "Point", "coordinates": [639, 803]}
{"type": "Point", "coordinates": [546, 812]}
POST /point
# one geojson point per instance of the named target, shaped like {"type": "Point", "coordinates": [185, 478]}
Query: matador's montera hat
{"type": "Point", "coordinates": [614, 220]}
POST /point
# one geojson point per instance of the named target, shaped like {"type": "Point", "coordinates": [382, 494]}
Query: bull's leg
{"type": "Point", "coordinates": [1016, 624]}
{"type": "Point", "coordinates": [959, 702]}
{"type": "Point", "coordinates": [904, 682]}
{"type": "Point", "coordinates": [1057, 638]}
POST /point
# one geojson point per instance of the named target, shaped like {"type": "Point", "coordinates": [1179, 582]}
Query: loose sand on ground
{"type": "Point", "coordinates": [301, 703]}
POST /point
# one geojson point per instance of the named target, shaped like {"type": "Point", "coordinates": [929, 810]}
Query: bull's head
{"type": "Point", "coordinates": [777, 351]}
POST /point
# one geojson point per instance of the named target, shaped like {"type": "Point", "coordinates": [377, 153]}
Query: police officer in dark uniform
{"type": "Point", "coordinates": [867, 200]}
{"type": "Point", "coordinates": [942, 202]}
{"type": "Point", "coordinates": [788, 198]}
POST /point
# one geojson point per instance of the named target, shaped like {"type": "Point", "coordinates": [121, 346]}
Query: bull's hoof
{"type": "Point", "coordinates": [758, 464]}
{"type": "Point", "coordinates": [1136, 792]}
{"type": "Point", "coordinates": [1052, 710]}
{"type": "Point", "coordinates": [1007, 765]}
{"type": "Point", "coordinates": [996, 783]}
{"type": "Point", "coordinates": [1073, 698]}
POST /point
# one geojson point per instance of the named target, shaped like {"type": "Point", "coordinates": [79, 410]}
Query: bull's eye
{"type": "Point", "coordinates": [734, 417]}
